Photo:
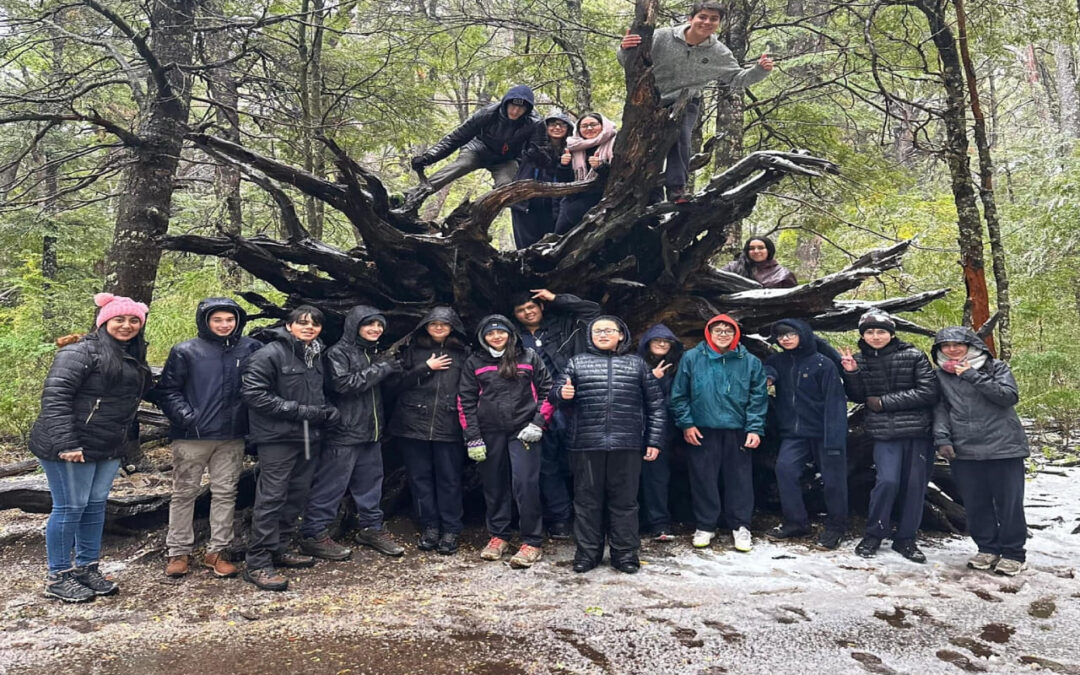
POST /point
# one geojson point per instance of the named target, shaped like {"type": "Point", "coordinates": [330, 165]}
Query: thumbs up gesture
{"type": "Point", "coordinates": [567, 391]}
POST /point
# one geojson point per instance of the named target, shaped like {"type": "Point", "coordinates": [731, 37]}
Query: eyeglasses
{"type": "Point", "coordinates": [787, 336]}
{"type": "Point", "coordinates": [605, 331]}
{"type": "Point", "coordinates": [590, 125]}
{"type": "Point", "coordinates": [724, 332]}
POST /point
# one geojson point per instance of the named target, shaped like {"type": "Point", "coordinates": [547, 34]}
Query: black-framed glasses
{"type": "Point", "coordinates": [723, 331]}
{"type": "Point", "coordinates": [787, 336]}
{"type": "Point", "coordinates": [605, 331]}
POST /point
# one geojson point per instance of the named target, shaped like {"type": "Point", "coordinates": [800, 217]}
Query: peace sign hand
{"type": "Point", "coordinates": [661, 369]}
{"type": "Point", "coordinates": [847, 360]}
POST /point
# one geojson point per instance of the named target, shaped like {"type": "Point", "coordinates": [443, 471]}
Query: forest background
{"type": "Point", "coordinates": [858, 83]}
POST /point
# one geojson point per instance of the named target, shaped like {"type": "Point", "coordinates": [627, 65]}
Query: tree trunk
{"type": "Point", "coordinates": [1069, 100]}
{"type": "Point", "coordinates": [730, 111]}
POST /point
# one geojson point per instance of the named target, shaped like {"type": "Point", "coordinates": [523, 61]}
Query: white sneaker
{"type": "Point", "coordinates": [702, 538]}
{"type": "Point", "coordinates": [743, 541]}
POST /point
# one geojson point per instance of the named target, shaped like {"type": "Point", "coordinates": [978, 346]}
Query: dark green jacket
{"type": "Point", "coordinates": [720, 391]}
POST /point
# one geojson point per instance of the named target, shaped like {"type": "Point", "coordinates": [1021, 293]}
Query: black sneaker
{"type": "Point", "coordinates": [627, 565]}
{"type": "Point", "coordinates": [293, 560]}
{"type": "Point", "coordinates": [324, 547]}
{"type": "Point", "coordinates": [267, 579]}
{"type": "Point", "coordinates": [868, 547]}
{"type": "Point", "coordinates": [909, 550]}
{"type": "Point", "coordinates": [93, 579]}
{"type": "Point", "coordinates": [380, 541]}
{"type": "Point", "coordinates": [786, 531]}
{"type": "Point", "coordinates": [429, 539]}
{"type": "Point", "coordinates": [448, 543]}
{"type": "Point", "coordinates": [582, 565]}
{"type": "Point", "coordinates": [559, 530]}
{"type": "Point", "coordinates": [63, 586]}
{"type": "Point", "coordinates": [830, 539]}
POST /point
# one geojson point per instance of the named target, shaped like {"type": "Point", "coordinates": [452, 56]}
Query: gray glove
{"type": "Point", "coordinates": [530, 434]}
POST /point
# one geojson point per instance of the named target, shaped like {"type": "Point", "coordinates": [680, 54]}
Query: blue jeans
{"type": "Point", "coordinates": [77, 520]}
{"type": "Point", "coordinates": [903, 471]}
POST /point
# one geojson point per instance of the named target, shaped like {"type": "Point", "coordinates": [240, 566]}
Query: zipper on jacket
{"type": "Point", "coordinates": [610, 396]}
{"type": "Point", "coordinates": [97, 404]}
{"type": "Point", "coordinates": [794, 388]}
{"type": "Point", "coordinates": [374, 403]}
{"type": "Point", "coordinates": [434, 407]}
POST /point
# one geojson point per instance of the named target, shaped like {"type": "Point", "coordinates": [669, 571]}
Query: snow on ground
{"type": "Point", "coordinates": [784, 608]}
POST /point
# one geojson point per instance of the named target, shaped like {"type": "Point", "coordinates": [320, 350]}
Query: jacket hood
{"type": "Point", "coordinates": [445, 314]}
{"type": "Point", "coordinates": [659, 331]}
{"type": "Point", "coordinates": [724, 318]}
{"type": "Point", "coordinates": [490, 318]}
{"type": "Point", "coordinates": [957, 334]}
{"type": "Point", "coordinates": [210, 305]}
{"type": "Point", "coordinates": [561, 117]}
{"type": "Point", "coordinates": [518, 91]}
{"type": "Point", "coordinates": [354, 319]}
{"type": "Point", "coordinates": [807, 340]}
{"type": "Point", "coordinates": [624, 343]}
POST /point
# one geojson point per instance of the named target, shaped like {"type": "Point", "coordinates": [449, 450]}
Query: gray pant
{"type": "Point", "coordinates": [224, 459]}
{"type": "Point", "coordinates": [281, 490]}
{"type": "Point", "coordinates": [677, 172]}
{"type": "Point", "coordinates": [468, 161]}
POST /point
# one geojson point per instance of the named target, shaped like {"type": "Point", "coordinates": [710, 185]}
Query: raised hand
{"type": "Point", "coordinates": [847, 360]}
{"type": "Point", "coordinates": [567, 391]}
{"type": "Point", "coordinates": [630, 40]}
{"type": "Point", "coordinates": [595, 161]}
{"type": "Point", "coordinates": [962, 367]}
{"type": "Point", "coordinates": [439, 362]}
{"type": "Point", "coordinates": [661, 369]}
{"type": "Point", "coordinates": [566, 158]}
{"type": "Point", "coordinates": [542, 294]}
{"type": "Point", "coordinates": [765, 62]}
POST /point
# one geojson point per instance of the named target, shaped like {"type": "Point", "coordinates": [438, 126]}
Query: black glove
{"type": "Point", "coordinates": [874, 403]}
{"type": "Point", "coordinates": [418, 162]}
{"type": "Point", "coordinates": [311, 413]}
{"type": "Point", "coordinates": [331, 415]}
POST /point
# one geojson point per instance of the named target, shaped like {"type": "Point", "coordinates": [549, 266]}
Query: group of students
{"type": "Point", "coordinates": [552, 403]}
{"type": "Point", "coordinates": [512, 142]}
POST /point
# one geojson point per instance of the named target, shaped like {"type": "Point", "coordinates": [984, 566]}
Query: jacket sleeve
{"type": "Point", "coordinates": [655, 410]}
{"type": "Point", "coordinates": [923, 395]}
{"type": "Point", "coordinates": [468, 399]}
{"type": "Point", "coordinates": [257, 387]}
{"type": "Point", "coordinates": [758, 405]}
{"type": "Point", "coordinates": [836, 425]}
{"type": "Point", "coordinates": [679, 405]}
{"type": "Point", "coordinates": [460, 136]}
{"type": "Point", "coordinates": [734, 75]}
{"type": "Point", "coordinates": [542, 382]}
{"type": "Point", "coordinates": [66, 376]}
{"type": "Point", "coordinates": [854, 385]}
{"type": "Point", "coordinates": [572, 305]}
{"type": "Point", "coordinates": [345, 380]}
{"type": "Point", "coordinates": [995, 382]}
{"type": "Point", "coordinates": [942, 423]}
{"type": "Point", "coordinates": [169, 393]}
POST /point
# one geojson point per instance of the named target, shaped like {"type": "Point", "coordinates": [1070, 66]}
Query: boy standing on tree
{"type": "Point", "coordinates": [689, 57]}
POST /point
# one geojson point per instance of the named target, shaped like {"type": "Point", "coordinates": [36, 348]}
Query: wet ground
{"type": "Point", "coordinates": [781, 609]}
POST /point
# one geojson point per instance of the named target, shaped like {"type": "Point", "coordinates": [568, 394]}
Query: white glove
{"type": "Point", "coordinates": [530, 434]}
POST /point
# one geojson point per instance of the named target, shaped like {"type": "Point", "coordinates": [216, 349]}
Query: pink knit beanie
{"type": "Point", "coordinates": [117, 305]}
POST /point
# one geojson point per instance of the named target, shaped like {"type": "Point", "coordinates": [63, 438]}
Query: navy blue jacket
{"type": "Point", "coordinates": [660, 331]}
{"type": "Point", "coordinates": [199, 388]}
{"type": "Point", "coordinates": [810, 400]}
{"type": "Point", "coordinates": [490, 133]}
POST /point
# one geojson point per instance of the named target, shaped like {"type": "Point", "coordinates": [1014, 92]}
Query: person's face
{"type": "Point", "coordinates": [877, 337]}
{"type": "Point", "coordinates": [123, 327]}
{"type": "Point", "coordinates": [515, 111]}
{"type": "Point", "coordinates": [304, 329]}
{"type": "Point", "coordinates": [704, 23]}
{"type": "Point", "coordinates": [659, 347]}
{"type": "Point", "coordinates": [222, 323]}
{"type": "Point", "coordinates": [371, 331]}
{"type": "Point", "coordinates": [606, 335]}
{"type": "Point", "coordinates": [757, 251]}
{"type": "Point", "coordinates": [722, 334]}
{"type": "Point", "coordinates": [788, 341]}
{"type": "Point", "coordinates": [589, 127]}
{"type": "Point", "coordinates": [530, 314]}
{"type": "Point", "coordinates": [954, 350]}
{"type": "Point", "coordinates": [497, 339]}
{"type": "Point", "coordinates": [438, 330]}
{"type": "Point", "coordinates": [557, 130]}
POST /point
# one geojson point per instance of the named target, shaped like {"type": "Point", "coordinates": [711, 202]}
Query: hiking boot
{"type": "Point", "coordinates": [63, 586]}
{"type": "Point", "coordinates": [324, 547]}
{"type": "Point", "coordinates": [909, 550]}
{"type": "Point", "coordinates": [867, 548]}
{"type": "Point", "coordinates": [429, 539]}
{"type": "Point", "coordinates": [177, 566]}
{"type": "Point", "coordinates": [291, 560]}
{"type": "Point", "coordinates": [526, 556]}
{"type": "Point", "coordinates": [582, 565]}
{"type": "Point", "coordinates": [379, 540]}
{"type": "Point", "coordinates": [448, 543]}
{"type": "Point", "coordinates": [786, 531]}
{"type": "Point", "coordinates": [627, 565]}
{"type": "Point", "coordinates": [830, 539]}
{"type": "Point", "coordinates": [93, 579]}
{"type": "Point", "coordinates": [983, 561]}
{"type": "Point", "coordinates": [494, 549]}
{"type": "Point", "coordinates": [1010, 567]}
{"type": "Point", "coordinates": [267, 579]}
{"type": "Point", "coordinates": [702, 538]}
{"type": "Point", "coordinates": [663, 536]}
{"type": "Point", "coordinates": [676, 194]}
{"type": "Point", "coordinates": [222, 568]}
{"type": "Point", "coordinates": [743, 541]}
{"type": "Point", "coordinates": [559, 530]}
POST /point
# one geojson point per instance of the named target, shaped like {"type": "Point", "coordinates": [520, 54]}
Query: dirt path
{"type": "Point", "coordinates": [780, 609]}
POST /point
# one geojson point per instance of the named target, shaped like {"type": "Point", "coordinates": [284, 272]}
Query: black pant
{"type": "Point", "coordinates": [605, 483]}
{"type": "Point", "coordinates": [555, 472]}
{"type": "Point", "coordinates": [281, 491]}
{"type": "Point", "coordinates": [512, 469]}
{"type": "Point", "coordinates": [903, 471]}
{"type": "Point", "coordinates": [721, 453]}
{"type": "Point", "coordinates": [531, 226]}
{"type": "Point", "coordinates": [993, 494]}
{"type": "Point", "coordinates": [434, 469]}
{"type": "Point", "coordinates": [573, 209]}
{"type": "Point", "coordinates": [655, 479]}
{"type": "Point", "coordinates": [790, 464]}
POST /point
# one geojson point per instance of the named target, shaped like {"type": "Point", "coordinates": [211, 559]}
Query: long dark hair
{"type": "Point", "coordinates": [111, 356]}
{"type": "Point", "coordinates": [508, 362]}
{"type": "Point", "coordinates": [748, 264]}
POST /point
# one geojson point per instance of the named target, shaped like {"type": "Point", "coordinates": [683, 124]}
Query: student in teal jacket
{"type": "Point", "coordinates": [719, 400]}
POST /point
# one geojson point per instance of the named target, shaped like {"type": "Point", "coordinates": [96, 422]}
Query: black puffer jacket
{"type": "Point", "coordinates": [490, 403]}
{"type": "Point", "coordinates": [904, 379]}
{"type": "Point", "coordinates": [79, 409]}
{"type": "Point", "coordinates": [199, 387]}
{"type": "Point", "coordinates": [354, 377]}
{"type": "Point", "coordinates": [276, 381]}
{"type": "Point", "coordinates": [426, 407]}
{"type": "Point", "coordinates": [617, 404]}
{"type": "Point", "coordinates": [490, 133]}
{"type": "Point", "coordinates": [975, 414]}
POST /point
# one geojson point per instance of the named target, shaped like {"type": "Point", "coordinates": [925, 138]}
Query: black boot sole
{"type": "Point", "coordinates": [73, 601]}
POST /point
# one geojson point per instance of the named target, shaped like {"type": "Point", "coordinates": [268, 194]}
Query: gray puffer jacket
{"type": "Point", "coordinates": [976, 413]}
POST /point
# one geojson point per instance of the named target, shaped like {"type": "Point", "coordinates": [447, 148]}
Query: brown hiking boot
{"type": "Point", "coordinates": [526, 556]}
{"type": "Point", "coordinates": [222, 567]}
{"type": "Point", "coordinates": [293, 560]}
{"type": "Point", "coordinates": [267, 579]}
{"type": "Point", "coordinates": [380, 540]}
{"type": "Point", "coordinates": [494, 549]}
{"type": "Point", "coordinates": [177, 567]}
